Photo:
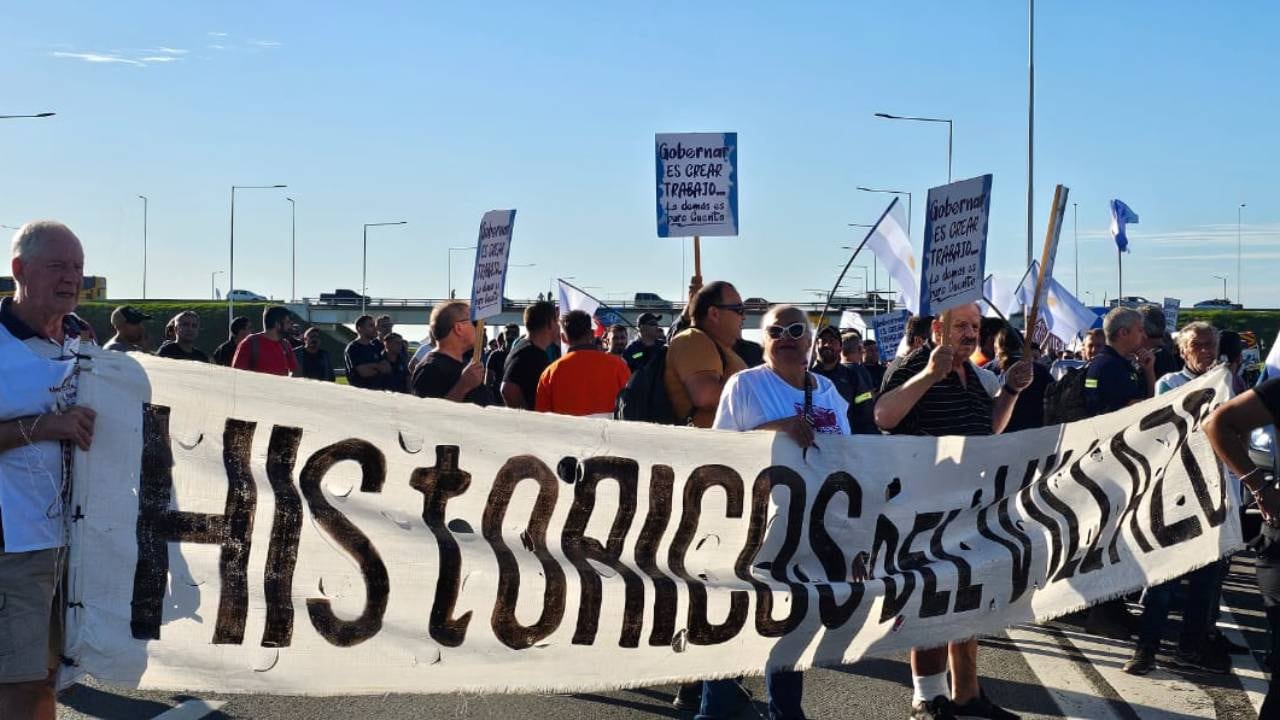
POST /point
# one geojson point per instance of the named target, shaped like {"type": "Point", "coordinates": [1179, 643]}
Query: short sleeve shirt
{"type": "Point", "coordinates": [174, 351]}
{"type": "Point", "coordinates": [437, 375]}
{"type": "Point", "coordinates": [638, 354]}
{"type": "Point", "coordinates": [274, 357]}
{"type": "Point", "coordinates": [523, 368]}
{"type": "Point", "coordinates": [1269, 393]}
{"type": "Point", "coordinates": [950, 407]}
{"type": "Point", "coordinates": [757, 396]}
{"type": "Point", "coordinates": [1111, 382]}
{"type": "Point", "coordinates": [690, 353]}
{"type": "Point", "coordinates": [358, 353]}
{"type": "Point", "coordinates": [582, 382]}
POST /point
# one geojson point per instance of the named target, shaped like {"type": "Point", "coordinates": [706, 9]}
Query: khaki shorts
{"type": "Point", "coordinates": [29, 635]}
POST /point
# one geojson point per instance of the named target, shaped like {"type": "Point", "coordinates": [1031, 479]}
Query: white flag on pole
{"type": "Point", "coordinates": [1064, 315]}
{"type": "Point", "coordinates": [571, 298]}
{"type": "Point", "coordinates": [891, 244]}
{"type": "Point", "coordinates": [850, 320]}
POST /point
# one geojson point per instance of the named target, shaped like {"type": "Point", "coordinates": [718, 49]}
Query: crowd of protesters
{"type": "Point", "coordinates": [957, 374]}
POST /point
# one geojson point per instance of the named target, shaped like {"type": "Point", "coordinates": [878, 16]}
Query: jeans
{"type": "Point", "coordinates": [785, 689]}
{"type": "Point", "coordinates": [1202, 588]}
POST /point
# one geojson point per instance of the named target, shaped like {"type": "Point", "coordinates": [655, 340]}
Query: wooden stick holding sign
{"type": "Point", "coordinates": [697, 258]}
{"type": "Point", "coordinates": [1046, 263]}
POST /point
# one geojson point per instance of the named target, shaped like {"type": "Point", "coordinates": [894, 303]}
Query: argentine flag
{"type": "Point", "coordinates": [1121, 214]}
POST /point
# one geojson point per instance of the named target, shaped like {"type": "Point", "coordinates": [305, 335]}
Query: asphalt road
{"type": "Point", "coordinates": [1049, 671]}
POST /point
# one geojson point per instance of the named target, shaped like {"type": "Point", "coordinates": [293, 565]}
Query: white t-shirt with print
{"type": "Point", "coordinates": [757, 396]}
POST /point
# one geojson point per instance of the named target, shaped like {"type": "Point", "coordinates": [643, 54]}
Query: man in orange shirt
{"type": "Point", "coordinates": [585, 381]}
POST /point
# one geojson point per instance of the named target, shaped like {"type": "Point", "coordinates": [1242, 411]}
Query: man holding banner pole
{"type": "Point", "coordinates": [937, 391]}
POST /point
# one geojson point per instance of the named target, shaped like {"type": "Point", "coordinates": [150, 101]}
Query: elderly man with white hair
{"type": "Point", "coordinates": [39, 341]}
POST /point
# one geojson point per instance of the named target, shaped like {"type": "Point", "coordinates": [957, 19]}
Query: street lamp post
{"type": "Point", "coordinates": [37, 115]}
{"type": "Point", "coordinates": [950, 131]}
{"type": "Point", "coordinates": [231, 265]}
{"type": "Point", "coordinates": [364, 260]}
{"type": "Point", "coordinates": [1223, 278]}
{"type": "Point", "coordinates": [450, 263]}
{"type": "Point", "coordinates": [144, 246]}
{"type": "Point", "coordinates": [293, 248]}
{"type": "Point", "coordinates": [1239, 254]}
{"type": "Point", "coordinates": [213, 290]}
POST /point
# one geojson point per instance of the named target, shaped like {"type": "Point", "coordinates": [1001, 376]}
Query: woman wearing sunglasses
{"type": "Point", "coordinates": [783, 396]}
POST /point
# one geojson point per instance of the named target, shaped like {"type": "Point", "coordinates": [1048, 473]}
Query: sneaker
{"type": "Point", "coordinates": [981, 707]}
{"type": "Point", "coordinates": [688, 697]}
{"type": "Point", "coordinates": [1208, 659]}
{"type": "Point", "coordinates": [1111, 619]}
{"type": "Point", "coordinates": [1142, 662]}
{"type": "Point", "coordinates": [938, 708]}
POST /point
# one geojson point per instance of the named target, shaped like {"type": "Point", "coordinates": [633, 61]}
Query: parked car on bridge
{"type": "Point", "coordinates": [244, 296]}
{"type": "Point", "coordinates": [1218, 304]}
{"type": "Point", "coordinates": [343, 296]}
{"type": "Point", "coordinates": [651, 301]}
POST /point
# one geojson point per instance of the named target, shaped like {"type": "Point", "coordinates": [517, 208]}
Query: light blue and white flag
{"type": "Point", "coordinates": [891, 244]}
{"type": "Point", "coordinates": [1064, 315]}
{"type": "Point", "coordinates": [1120, 215]}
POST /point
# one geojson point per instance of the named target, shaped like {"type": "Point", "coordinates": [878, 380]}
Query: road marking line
{"type": "Point", "coordinates": [1071, 691]}
{"type": "Point", "coordinates": [1253, 678]}
{"type": "Point", "coordinates": [191, 710]}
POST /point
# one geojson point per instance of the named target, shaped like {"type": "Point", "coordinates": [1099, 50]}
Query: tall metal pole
{"type": "Point", "coordinates": [231, 263]}
{"type": "Point", "coordinates": [1075, 212]}
{"type": "Point", "coordinates": [364, 265]}
{"type": "Point", "coordinates": [1239, 253]}
{"type": "Point", "coordinates": [1031, 117]}
{"type": "Point", "coordinates": [144, 246]}
{"type": "Point", "coordinates": [293, 246]}
{"type": "Point", "coordinates": [950, 134]}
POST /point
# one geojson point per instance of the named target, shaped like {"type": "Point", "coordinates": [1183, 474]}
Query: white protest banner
{"type": "Point", "coordinates": [492, 251]}
{"type": "Point", "coordinates": [1171, 308]}
{"type": "Point", "coordinates": [955, 245]}
{"type": "Point", "coordinates": [889, 329]}
{"type": "Point", "coordinates": [697, 184]}
{"type": "Point", "coordinates": [240, 532]}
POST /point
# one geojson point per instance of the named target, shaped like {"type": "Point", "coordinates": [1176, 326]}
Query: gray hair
{"type": "Point", "coordinates": [1191, 330]}
{"type": "Point", "coordinates": [777, 310]}
{"type": "Point", "coordinates": [28, 238]}
{"type": "Point", "coordinates": [1118, 319]}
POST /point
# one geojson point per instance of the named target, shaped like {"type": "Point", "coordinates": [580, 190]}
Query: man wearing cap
{"type": "Point", "coordinates": [639, 351]}
{"type": "Point", "coordinates": [851, 381]}
{"type": "Point", "coordinates": [130, 334]}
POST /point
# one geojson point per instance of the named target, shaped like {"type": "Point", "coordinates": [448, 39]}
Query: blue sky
{"type": "Point", "coordinates": [434, 113]}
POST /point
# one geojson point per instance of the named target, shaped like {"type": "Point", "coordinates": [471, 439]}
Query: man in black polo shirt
{"type": "Point", "coordinates": [184, 347]}
{"type": "Point", "coordinates": [1121, 373]}
{"type": "Point", "coordinates": [937, 391]}
{"type": "Point", "coordinates": [641, 349]}
{"type": "Point", "coordinates": [445, 373]}
{"type": "Point", "coordinates": [366, 364]}
{"type": "Point", "coordinates": [1113, 380]}
{"type": "Point", "coordinates": [851, 381]}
